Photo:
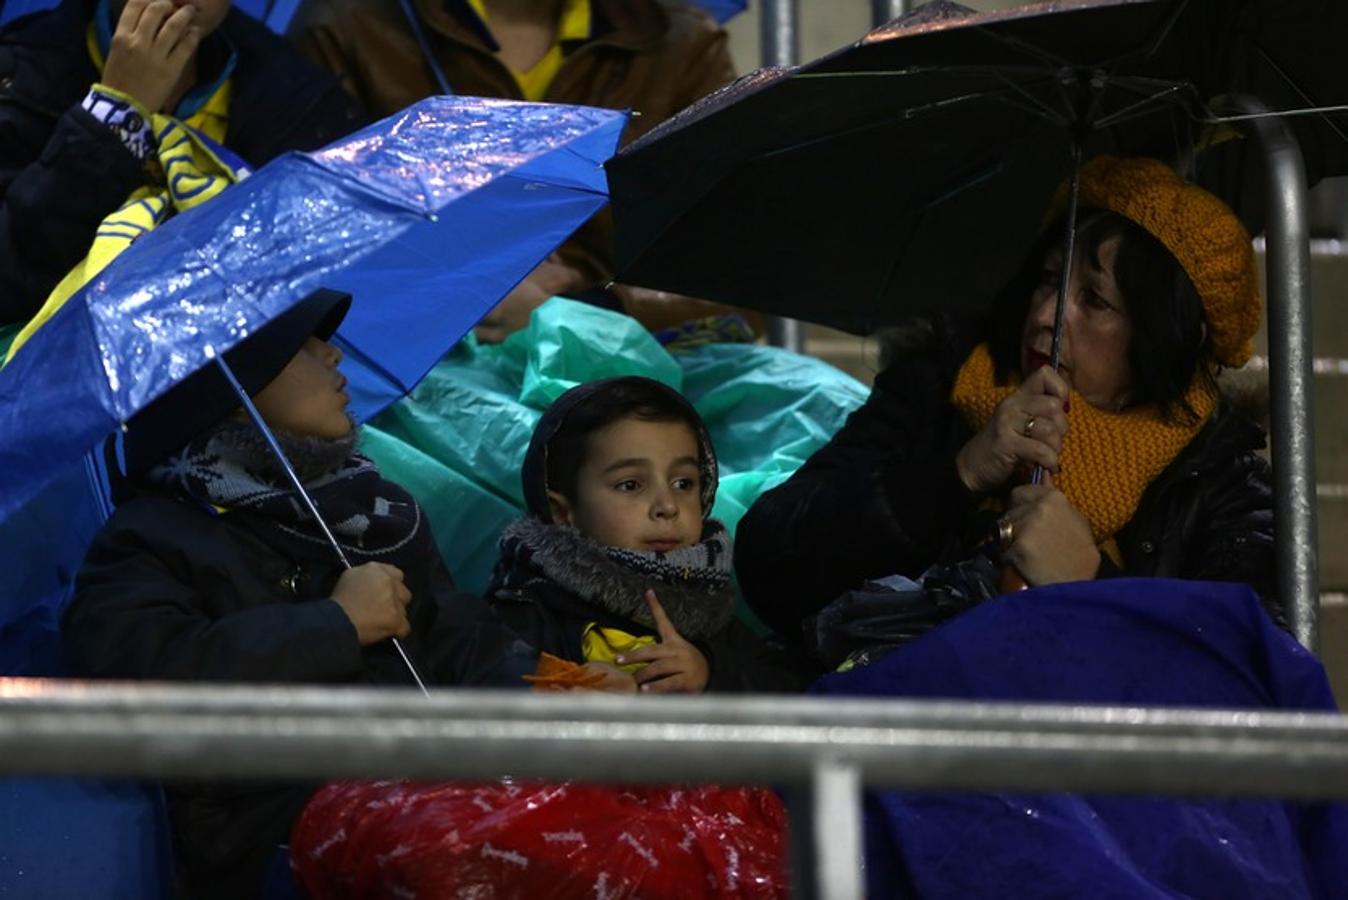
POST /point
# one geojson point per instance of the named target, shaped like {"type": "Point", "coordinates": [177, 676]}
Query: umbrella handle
{"type": "Point", "coordinates": [298, 485]}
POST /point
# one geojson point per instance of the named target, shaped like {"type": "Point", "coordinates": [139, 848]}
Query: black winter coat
{"type": "Point", "coordinates": [884, 497]}
{"type": "Point", "coordinates": [170, 591]}
{"type": "Point", "coordinates": [62, 171]}
{"type": "Point", "coordinates": [553, 620]}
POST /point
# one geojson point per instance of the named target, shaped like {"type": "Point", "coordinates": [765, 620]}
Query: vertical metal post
{"type": "Point", "coordinates": [882, 11]}
{"type": "Point", "coordinates": [1291, 373]}
{"type": "Point", "coordinates": [780, 46]}
{"type": "Point", "coordinates": [826, 838]}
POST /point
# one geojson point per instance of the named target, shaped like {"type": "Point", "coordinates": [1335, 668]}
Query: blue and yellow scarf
{"type": "Point", "coordinates": [195, 165]}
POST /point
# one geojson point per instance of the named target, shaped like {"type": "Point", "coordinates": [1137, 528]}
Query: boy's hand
{"type": "Point", "coordinates": [150, 49]}
{"type": "Point", "coordinates": [616, 681]}
{"type": "Point", "coordinates": [675, 666]}
{"type": "Point", "coordinates": [375, 599]}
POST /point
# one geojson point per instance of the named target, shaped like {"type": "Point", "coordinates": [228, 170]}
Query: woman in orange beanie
{"type": "Point", "coordinates": [1149, 471]}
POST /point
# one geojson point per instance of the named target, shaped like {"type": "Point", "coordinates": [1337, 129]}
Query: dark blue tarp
{"type": "Point", "coordinates": [1128, 642]}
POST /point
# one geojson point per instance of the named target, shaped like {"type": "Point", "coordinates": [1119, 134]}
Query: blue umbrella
{"type": "Point", "coordinates": [427, 218]}
{"type": "Point", "coordinates": [724, 10]}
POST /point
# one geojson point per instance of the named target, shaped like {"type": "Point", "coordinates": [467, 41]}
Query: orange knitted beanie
{"type": "Point", "coordinates": [1200, 231]}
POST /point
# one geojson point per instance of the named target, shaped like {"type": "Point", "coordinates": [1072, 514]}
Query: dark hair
{"type": "Point", "coordinates": [1165, 309]}
{"type": "Point", "coordinates": [629, 399]}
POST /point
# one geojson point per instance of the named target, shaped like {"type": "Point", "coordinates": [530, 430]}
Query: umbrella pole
{"type": "Point", "coordinates": [1069, 249]}
{"type": "Point", "coordinates": [1011, 579]}
{"type": "Point", "coordinates": [304, 496]}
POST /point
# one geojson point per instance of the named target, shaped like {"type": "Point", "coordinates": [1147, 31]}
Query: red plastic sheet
{"type": "Point", "coordinates": [529, 840]}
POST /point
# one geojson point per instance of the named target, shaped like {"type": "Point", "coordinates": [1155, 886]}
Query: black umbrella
{"type": "Point", "coordinates": [912, 169]}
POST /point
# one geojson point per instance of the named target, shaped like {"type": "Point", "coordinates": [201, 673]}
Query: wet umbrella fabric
{"type": "Point", "coordinates": [876, 176]}
{"type": "Point", "coordinates": [427, 218]}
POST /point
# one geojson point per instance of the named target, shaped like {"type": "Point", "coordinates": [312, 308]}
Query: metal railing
{"type": "Point", "coordinates": [883, 11]}
{"type": "Point", "coordinates": [1291, 376]}
{"type": "Point", "coordinates": [820, 752]}
{"type": "Point", "coordinates": [779, 45]}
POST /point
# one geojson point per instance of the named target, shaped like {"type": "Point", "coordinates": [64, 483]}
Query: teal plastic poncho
{"type": "Point", "coordinates": [458, 440]}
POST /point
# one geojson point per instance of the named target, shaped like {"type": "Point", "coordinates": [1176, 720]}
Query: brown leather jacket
{"type": "Point", "coordinates": [651, 57]}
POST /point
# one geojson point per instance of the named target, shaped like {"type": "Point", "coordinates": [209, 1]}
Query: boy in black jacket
{"type": "Point", "coordinates": [618, 565]}
{"type": "Point", "coordinates": [211, 570]}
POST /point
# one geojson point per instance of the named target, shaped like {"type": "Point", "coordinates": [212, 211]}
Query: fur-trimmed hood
{"type": "Point", "coordinates": [693, 583]}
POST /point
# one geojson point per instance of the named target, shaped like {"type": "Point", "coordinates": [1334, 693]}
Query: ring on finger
{"type": "Point", "coordinates": [1028, 428]}
{"type": "Point", "coordinates": [1006, 532]}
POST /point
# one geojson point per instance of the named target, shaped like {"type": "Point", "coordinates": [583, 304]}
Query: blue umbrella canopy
{"type": "Point", "coordinates": [724, 10]}
{"type": "Point", "coordinates": [427, 218]}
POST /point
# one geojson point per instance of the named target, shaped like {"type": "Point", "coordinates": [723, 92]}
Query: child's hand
{"type": "Point", "coordinates": [375, 599]}
{"type": "Point", "coordinates": [675, 666]}
{"type": "Point", "coordinates": [616, 681]}
{"type": "Point", "coordinates": [150, 49]}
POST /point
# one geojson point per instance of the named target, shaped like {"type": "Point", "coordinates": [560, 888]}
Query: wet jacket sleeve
{"type": "Point", "coordinates": [1233, 532]}
{"type": "Point", "coordinates": [739, 661]}
{"type": "Point", "coordinates": [133, 616]}
{"type": "Point", "coordinates": [472, 644]}
{"type": "Point", "coordinates": [882, 497]}
{"type": "Point", "coordinates": [56, 185]}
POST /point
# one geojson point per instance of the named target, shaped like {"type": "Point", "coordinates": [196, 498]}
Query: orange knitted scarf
{"type": "Point", "coordinates": [1108, 458]}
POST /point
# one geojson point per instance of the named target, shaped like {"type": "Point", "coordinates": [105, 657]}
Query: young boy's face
{"type": "Point", "coordinates": [307, 399]}
{"type": "Point", "coordinates": [639, 488]}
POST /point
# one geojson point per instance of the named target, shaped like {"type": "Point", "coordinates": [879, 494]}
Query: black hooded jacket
{"type": "Point", "coordinates": [62, 171]}
{"type": "Point", "coordinates": [553, 618]}
{"type": "Point", "coordinates": [884, 497]}
{"type": "Point", "coordinates": [171, 590]}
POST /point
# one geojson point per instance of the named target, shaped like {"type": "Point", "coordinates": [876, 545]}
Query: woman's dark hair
{"type": "Point", "coordinates": [633, 399]}
{"type": "Point", "coordinates": [1165, 309]}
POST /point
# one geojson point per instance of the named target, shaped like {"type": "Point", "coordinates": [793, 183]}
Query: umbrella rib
{"type": "Point", "coordinates": [1278, 113]}
{"type": "Point", "coordinates": [1140, 107]}
{"type": "Point", "coordinates": [1292, 83]}
{"type": "Point", "coordinates": [1025, 47]}
{"type": "Point", "coordinates": [871, 126]}
{"type": "Point", "coordinates": [1035, 104]}
{"type": "Point", "coordinates": [1150, 48]}
{"type": "Point", "coordinates": [1055, 60]}
{"type": "Point", "coordinates": [368, 361]}
{"type": "Point", "coordinates": [1047, 111]}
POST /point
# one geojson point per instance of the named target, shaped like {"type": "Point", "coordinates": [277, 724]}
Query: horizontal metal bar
{"type": "Point", "coordinates": [168, 732]}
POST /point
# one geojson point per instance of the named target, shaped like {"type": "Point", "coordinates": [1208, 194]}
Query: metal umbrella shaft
{"type": "Point", "coordinates": [1011, 578]}
{"type": "Point", "coordinates": [1065, 280]}
{"type": "Point", "coordinates": [304, 496]}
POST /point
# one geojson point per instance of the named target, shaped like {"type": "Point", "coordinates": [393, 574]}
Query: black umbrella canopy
{"type": "Point", "coordinates": [912, 170]}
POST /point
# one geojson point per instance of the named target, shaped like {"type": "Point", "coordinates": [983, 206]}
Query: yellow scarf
{"type": "Point", "coordinates": [193, 174]}
{"type": "Point", "coordinates": [574, 25]}
{"type": "Point", "coordinates": [606, 644]}
{"type": "Point", "coordinates": [1108, 458]}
